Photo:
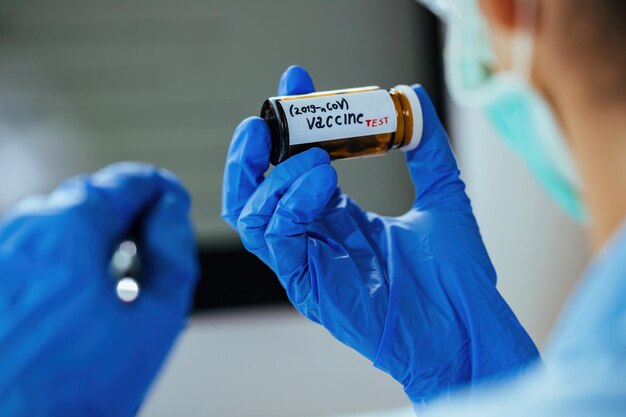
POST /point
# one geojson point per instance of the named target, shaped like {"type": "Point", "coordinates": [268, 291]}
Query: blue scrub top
{"type": "Point", "coordinates": [584, 365]}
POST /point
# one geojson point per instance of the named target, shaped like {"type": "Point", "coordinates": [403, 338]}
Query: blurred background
{"type": "Point", "coordinates": [84, 83]}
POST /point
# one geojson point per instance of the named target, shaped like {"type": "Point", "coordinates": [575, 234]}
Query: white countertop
{"type": "Point", "coordinates": [269, 362]}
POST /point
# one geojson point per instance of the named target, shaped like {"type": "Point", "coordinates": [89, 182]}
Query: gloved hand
{"type": "Point", "coordinates": [415, 294]}
{"type": "Point", "coordinates": [68, 345]}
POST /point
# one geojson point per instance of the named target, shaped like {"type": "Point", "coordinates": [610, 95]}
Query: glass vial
{"type": "Point", "coordinates": [349, 123]}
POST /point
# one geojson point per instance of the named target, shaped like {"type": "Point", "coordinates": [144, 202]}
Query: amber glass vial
{"type": "Point", "coordinates": [349, 123]}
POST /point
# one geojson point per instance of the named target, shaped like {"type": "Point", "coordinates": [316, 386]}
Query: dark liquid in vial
{"type": "Point", "coordinates": [350, 147]}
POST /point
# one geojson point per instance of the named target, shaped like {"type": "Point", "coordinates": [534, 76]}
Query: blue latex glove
{"type": "Point", "coordinates": [586, 354]}
{"type": "Point", "coordinates": [415, 294]}
{"type": "Point", "coordinates": [68, 345]}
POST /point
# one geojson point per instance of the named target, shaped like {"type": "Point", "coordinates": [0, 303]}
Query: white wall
{"type": "Point", "coordinates": [268, 362]}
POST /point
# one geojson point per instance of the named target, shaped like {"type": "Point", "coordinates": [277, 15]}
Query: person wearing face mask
{"type": "Point", "coordinates": [416, 294]}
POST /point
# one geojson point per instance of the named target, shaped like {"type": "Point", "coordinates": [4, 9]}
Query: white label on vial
{"type": "Point", "coordinates": [323, 118]}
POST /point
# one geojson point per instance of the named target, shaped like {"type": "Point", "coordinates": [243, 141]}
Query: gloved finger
{"type": "Point", "coordinates": [120, 193]}
{"type": "Point", "coordinates": [258, 212]}
{"type": "Point", "coordinates": [295, 80]}
{"type": "Point", "coordinates": [432, 164]}
{"type": "Point", "coordinates": [286, 234]}
{"type": "Point", "coordinates": [168, 250]}
{"type": "Point", "coordinates": [247, 160]}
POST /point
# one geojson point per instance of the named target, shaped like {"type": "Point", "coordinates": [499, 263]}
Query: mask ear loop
{"type": "Point", "coordinates": [523, 39]}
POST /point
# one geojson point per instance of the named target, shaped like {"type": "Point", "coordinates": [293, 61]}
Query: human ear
{"type": "Point", "coordinates": [500, 14]}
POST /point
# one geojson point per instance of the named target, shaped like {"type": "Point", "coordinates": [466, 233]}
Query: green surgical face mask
{"type": "Point", "coordinates": [519, 114]}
